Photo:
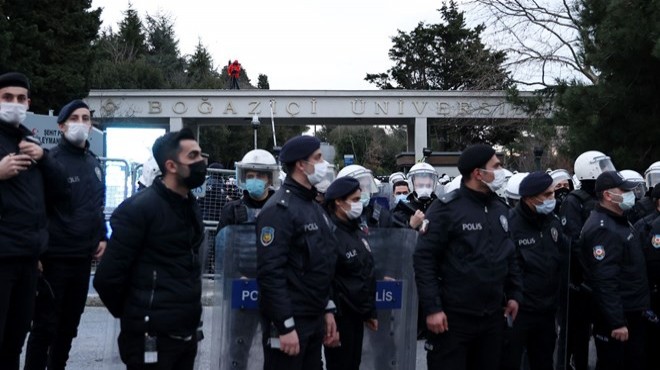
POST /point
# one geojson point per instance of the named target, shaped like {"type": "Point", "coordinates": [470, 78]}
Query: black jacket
{"type": "Point", "coordinates": [77, 224]}
{"type": "Point", "coordinates": [648, 232]}
{"type": "Point", "coordinates": [541, 247]}
{"type": "Point", "coordinates": [296, 255]}
{"type": "Point", "coordinates": [403, 211]}
{"type": "Point", "coordinates": [23, 198]}
{"type": "Point", "coordinates": [614, 266]}
{"type": "Point", "coordinates": [151, 266]}
{"type": "Point", "coordinates": [466, 261]}
{"type": "Point", "coordinates": [354, 286]}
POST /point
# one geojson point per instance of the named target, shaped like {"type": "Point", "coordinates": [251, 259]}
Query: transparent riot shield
{"type": "Point", "coordinates": [394, 345]}
{"type": "Point", "coordinates": [236, 333]}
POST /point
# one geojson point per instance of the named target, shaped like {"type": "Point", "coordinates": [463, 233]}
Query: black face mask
{"type": "Point", "coordinates": [561, 194]}
{"type": "Point", "coordinates": [197, 175]}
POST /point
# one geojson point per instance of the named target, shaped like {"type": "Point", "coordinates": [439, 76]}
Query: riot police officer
{"type": "Point", "coordinates": [354, 286]}
{"type": "Point", "coordinates": [563, 186]}
{"type": "Point", "coordinates": [540, 247]}
{"type": "Point", "coordinates": [466, 269]}
{"type": "Point", "coordinates": [643, 203]}
{"type": "Point", "coordinates": [296, 262]}
{"type": "Point", "coordinates": [256, 174]}
{"type": "Point", "coordinates": [575, 210]}
{"type": "Point", "coordinates": [424, 179]}
{"type": "Point", "coordinates": [616, 273]}
{"type": "Point", "coordinates": [373, 214]}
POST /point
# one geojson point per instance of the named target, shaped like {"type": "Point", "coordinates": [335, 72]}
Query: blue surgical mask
{"type": "Point", "coordinates": [628, 201]}
{"type": "Point", "coordinates": [546, 207]}
{"type": "Point", "coordinates": [401, 198]}
{"type": "Point", "coordinates": [255, 187]}
{"type": "Point", "coordinates": [364, 199]}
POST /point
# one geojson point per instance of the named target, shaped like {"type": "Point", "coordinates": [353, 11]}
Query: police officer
{"type": "Point", "coordinates": [540, 247]}
{"type": "Point", "coordinates": [77, 233]}
{"type": "Point", "coordinates": [615, 271]}
{"type": "Point", "coordinates": [354, 286]}
{"type": "Point", "coordinates": [648, 230]}
{"type": "Point", "coordinates": [466, 269]}
{"type": "Point", "coordinates": [257, 173]}
{"type": "Point", "coordinates": [295, 263]}
{"type": "Point", "coordinates": [373, 214]}
{"type": "Point", "coordinates": [643, 203]}
{"type": "Point", "coordinates": [563, 186]}
{"type": "Point", "coordinates": [29, 179]}
{"type": "Point", "coordinates": [575, 210]}
{"type": "Point", "coordinates": [424, 179]}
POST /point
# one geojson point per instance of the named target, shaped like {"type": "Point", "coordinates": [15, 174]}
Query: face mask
{"type": "Point", "coordinates": [255, 187]}
{"type": "Point", "coordinates": [561, 194]}
{"type": "Point", "coordinates": [13, 112]}
{"type": "Point", "coordinates": [323, 186]}
{"type": "Point", "coordinates": [197, 175]}
{"type": "Point", "coordinates": [77, 133]}
{"type": "Point", "coordinates": [424, 192]}
{"type": "Point", "coordinates": [546, 207]}
{"type": "Point", "coordinates": [401, 198]}
{"type": "Point", "coordinates": [364, 199]}
{"type": "Point", "coordinates": [320, 170]}
{"type": "Point", "coordinates": [627, 202]}
{"type": "Point", "coordinates": [355, 211]}
{"type": "Point", "coordinates": [498, 181]}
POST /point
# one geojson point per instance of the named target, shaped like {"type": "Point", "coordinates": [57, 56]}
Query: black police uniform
{"type": "Point", "coordinates": [402, 211]}
{"type": "Point", "coordinates": [641, 209]}
{"type": "Point", "coordinates": [150, 275]}
{"type": "Point", "coordinates": [575, 210]}
{"type": "Point", "coordinates": [296, 260]}
{"type": "Point", "coordinates": [354, 292]}
{"type": "Point", "coordinates": [77, 225]}
{"type": "Point", "coordinates": [648, 231]}
{"type": "Point", "coordinates": [23, 236]}
{"type": "Point", "coordinates": [465, 265]}
{"type": "Point", "coordinates": [244, 323]}
{"type": "Point", "coordinates": [615, 270]}
{"type": "Point", "coordinates": [541, 248]}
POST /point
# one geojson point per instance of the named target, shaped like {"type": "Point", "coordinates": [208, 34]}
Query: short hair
{"type": "Point", "coordinates": [400, 183]}
{"type": "Point", "coordinates": [168, 146]}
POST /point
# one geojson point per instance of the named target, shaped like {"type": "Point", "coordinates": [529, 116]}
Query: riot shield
{"type": "Point", "coordinates": [236, 333]}
{"type": "Point", "coordinates": [394, 345]}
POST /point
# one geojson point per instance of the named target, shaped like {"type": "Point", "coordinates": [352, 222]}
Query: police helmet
{"type": "Point", "coordinates": [636, 177]}
{"type": "Point", "coordinates": [365, 176]}
{"type": "Point", "coordinates": [150, 171]}
{"type": "Point", "coordinates": [559, 175]}
{"type": "Point", "coordinates": [423, 171]}
{"type": "Point", "coordinates": [512, 189]}
{"type": "Point", "coordinates": [453, 184]}
{"type": "Point", "coordinates": [258, 160]}
{"type": "Point", "coordinates": [589, 165]}
{"type": "Point", "coordinates": [652, 175]}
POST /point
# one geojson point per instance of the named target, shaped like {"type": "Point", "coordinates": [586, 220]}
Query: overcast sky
{"type": "Point", "coordinates": [299, 44]}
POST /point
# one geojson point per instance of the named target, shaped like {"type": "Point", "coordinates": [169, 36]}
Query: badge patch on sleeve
{"type": "Point", "coordinates": [599, 252]}
{"type": "Point", "coordinates": [555, 234]}
{"type": "Point", "coordinates": [267, 235]}
{"type": "Point", "coordinates": [655, 241]}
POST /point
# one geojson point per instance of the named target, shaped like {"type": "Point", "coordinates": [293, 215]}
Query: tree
{"type": "Point", "coordinates": [163, 50]}
{"type": "Point", "coordinates": [131, 35]}
{"type": "Point", "coordinates": [543, 38]}
{"type": "Point", "coordinates": [201, 72]}
{"type": "Point", "coordinates": [449, 56]}
{"type": "Point", "coordinates": [263, 82]}
{"type": "Point", "coordinates": [619, 115]}
{"type": "Point", "coordinates": [50, 43]}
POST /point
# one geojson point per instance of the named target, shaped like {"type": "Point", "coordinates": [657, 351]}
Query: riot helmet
{"type": "Point", "coordinates": [636, 177]}
{"type": "Point", "coordinates": [652, 175]}
{"type": "Point", "coordinates": [589, 165]}
{"type": "Point", "coordinates": [512, 190]}
{"type": "Point", "coordinates": [150, 171]}
{"type": "Point", "coordinates": [424, 179]}
{"type": "Point", "coordinates": [367, 183]}
{"type": "Point", "coordinates": [257, 161]}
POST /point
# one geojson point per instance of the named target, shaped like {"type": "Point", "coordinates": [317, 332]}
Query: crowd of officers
{"type": "Point", "coordinates": [528, 274]}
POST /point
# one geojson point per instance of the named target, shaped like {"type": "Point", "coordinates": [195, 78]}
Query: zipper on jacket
{"type": "Point", "coordinates": [153, 288]}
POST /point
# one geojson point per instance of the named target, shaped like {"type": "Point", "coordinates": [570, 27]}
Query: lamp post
{"type": "Point", "coordinates": [538, 153]}
{"type": "Point", "coordinates": [255, 126]}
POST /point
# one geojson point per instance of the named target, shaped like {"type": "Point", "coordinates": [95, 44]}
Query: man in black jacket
{"type": "Point", "coordinates": [296, 262]}
{"type": "Point", "coordinates": [541, 248]}
{"type": "Point", "coordinates": [615, 271]}
{"type": "Point", "coordinates": [76, 234]}
{"type": "Point", "coordinates": [25, 169]}
{"type": "Point", "coordinates": [150, 276]}
{"type": "Point", "coordinates": [466, 269]}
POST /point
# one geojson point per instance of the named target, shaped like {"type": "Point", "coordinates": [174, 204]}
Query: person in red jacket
{"type": "Point", "coordinates": [234, 71]}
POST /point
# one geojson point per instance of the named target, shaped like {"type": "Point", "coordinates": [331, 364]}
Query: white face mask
{"type": "Point", "coordinates": [13, 112]}
{"type": "Point", "coordinates": [77, 133]}
{"type": "Point", "coordinates": [355, 211]}
{"type": "Point", "coordinates": [498, 180]}
{"type": "Point", "coordinates": [320, 170]}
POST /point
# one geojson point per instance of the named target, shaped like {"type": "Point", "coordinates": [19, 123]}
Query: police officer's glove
{"type": "Point", "coordinates": [651, 317]}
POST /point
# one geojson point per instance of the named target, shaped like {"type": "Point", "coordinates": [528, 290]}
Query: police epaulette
{"type": "Point", "coordinates": [284, 199]}
{"type": "Point", "coordinates": [449, 197]}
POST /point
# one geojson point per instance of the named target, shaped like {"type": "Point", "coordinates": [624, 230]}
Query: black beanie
{"type": "Point", "coordinates": [68, 109]}
{"type": "Point", "coordinates": [341, 187]}
{"type": "Point", "coordinates": [534, 184]}
{"type": "Point", "coordinates": [299, 147]}
{"type": "Point", "coordinates": [475, 156]}
{"type": "Point", "coordinates": [14, 79]}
